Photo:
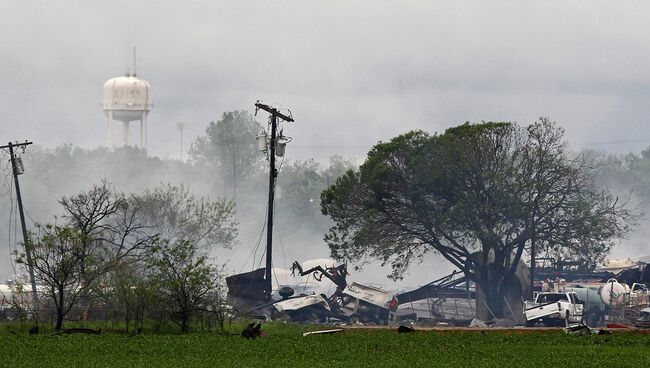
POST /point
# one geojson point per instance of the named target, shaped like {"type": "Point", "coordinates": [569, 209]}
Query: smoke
{"type": "Point", "coordinates": [51, 173]}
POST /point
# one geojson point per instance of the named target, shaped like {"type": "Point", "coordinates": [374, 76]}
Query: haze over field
{"type": "Point", "coordinates": [352, 73]}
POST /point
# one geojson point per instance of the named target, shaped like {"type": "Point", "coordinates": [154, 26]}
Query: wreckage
{"type": "Point", "coordinates": [447, 300]}
{"type": "Point", "coordinates": [353, 303]}
{"type": "Point", "coordinates": [451, 300]}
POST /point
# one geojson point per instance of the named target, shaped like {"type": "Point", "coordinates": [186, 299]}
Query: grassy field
{"type": "Point", "coordinates": [284, 346]}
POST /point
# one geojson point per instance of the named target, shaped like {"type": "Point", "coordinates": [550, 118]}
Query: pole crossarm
{"type": "Point", "coordinates": [23, 144]}
{"type": "Point", "coordinates": [273, 111]}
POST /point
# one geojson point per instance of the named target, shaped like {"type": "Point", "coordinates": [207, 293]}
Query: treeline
{"type": "Point", "coordinates": [137, 256]}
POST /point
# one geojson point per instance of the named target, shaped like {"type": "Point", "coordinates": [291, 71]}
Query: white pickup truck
{"type": "Point", "coordinates": [554, 308]}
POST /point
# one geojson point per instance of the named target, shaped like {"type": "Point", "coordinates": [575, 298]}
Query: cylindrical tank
{"type": "Point", "coordinates": [591, 297]}
{"type": "Point", "coordinates": [127, 98]}
{"type": "Point", "coordinates": [613, 292]}
{"type": "Point", "coordinates": [262, 142]}
{"type": "Point", "coordinates": [281, 146]}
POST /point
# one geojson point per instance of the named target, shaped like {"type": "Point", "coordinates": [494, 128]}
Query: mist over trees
{"type": "Point", "coordinates": [65, 171]}
{"type": "Point", "coordinates": [91, 260]}
{"type": "Point", "coordinates": [229, 147]}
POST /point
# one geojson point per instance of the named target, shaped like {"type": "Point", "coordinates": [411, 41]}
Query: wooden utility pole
{"type": "Point", "coordinates": [275, 114]}
{"type": "Point", "coordinates": [180, 125]}
{"type": "Point", "coordinates": [533, 263]}
{"type": "Point", "coordinates": [28, 251]}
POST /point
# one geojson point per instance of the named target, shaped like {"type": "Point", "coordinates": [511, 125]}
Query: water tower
{"type": "Point", "coordinates": [126, 99]}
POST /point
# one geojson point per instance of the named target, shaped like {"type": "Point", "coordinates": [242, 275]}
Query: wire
{"type": "Point", "coordinates": [8, 175]}
{"type": "Point", "coordinates": [12, 215]}
{"type": "Point", "coordinates": [259, 241]}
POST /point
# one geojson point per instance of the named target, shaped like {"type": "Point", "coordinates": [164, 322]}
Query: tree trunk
{"type": "Point", "coordinates": [493, 298]}
{"type": "Point", "coordinates": [185, 324]}
{"type": "Point", "coordinates": [59, 310]}
{"type": "Point", "coordinates": [127, 316]}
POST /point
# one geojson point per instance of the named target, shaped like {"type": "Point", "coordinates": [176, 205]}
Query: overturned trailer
{"type": "Point", "coordinates": [367, 304]}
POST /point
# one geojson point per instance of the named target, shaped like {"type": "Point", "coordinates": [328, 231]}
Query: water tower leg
{"type": "Point", "coordinates": [141, 133]}
{"type": "Point", "coordinates": [126, 133]}
{"type": "Point", "coordinates": [144, 121]}
{"type": "Point", "coordinates": [109, 122]}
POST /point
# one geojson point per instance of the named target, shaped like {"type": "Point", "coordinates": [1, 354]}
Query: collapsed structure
{"type": "Point", "coordinates": [604, 296]}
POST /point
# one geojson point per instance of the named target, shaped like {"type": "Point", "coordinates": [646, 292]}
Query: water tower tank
{"type": "Point", "coordinates": [126, 99]}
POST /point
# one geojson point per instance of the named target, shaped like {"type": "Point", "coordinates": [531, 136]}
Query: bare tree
{"type": "Point", "coordinates": [57, 254]}
{"type": "Point", "coordinates": [102, 230]}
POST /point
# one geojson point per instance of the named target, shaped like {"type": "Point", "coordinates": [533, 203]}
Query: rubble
{"type": "Point", "coordinates": [644, 319]}
{"type": "Point", "coordinates": [353, 303]}
{"type": "Point", "coordinates": [477, 323]}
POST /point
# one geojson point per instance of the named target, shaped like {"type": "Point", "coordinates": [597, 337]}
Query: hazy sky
{"type": "Point", "coordinates": [352, 72]}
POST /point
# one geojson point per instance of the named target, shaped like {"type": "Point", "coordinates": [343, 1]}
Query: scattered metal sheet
{"type": "Point", "coordinates": [323, 332]}
{"type": "Point", "coordinates": [369, 294]}
{"type": "Point", "coordinates": [301, 302]}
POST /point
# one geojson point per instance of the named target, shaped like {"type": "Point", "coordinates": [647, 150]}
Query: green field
{"type": "Point", "coordinates": [284, 346]}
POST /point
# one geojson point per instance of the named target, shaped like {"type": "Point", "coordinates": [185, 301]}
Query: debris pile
{"type": "Point", "coordinates": [352, 303]}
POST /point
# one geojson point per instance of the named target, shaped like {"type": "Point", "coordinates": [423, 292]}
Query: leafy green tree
{"type": "Point", "coordinates": [229, 147]}
{"type": "Point", "coordinates": [336, 168]}
{"type": "Point", "coordinates": [183, 279]}
{"type": "Point", "coordinates": [173, 214]}
{"type": "Point", "coordinates": [128, 292]}
{"type": "Point", "coordinates": [301, 183]}
{"type": "Point", "coordinates": [478, 195]}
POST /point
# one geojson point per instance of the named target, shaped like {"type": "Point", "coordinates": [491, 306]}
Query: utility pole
{"type": "Point", "coordinates": [16, 170]}
{"type": "Point", "coordinates": [532, 265]}
{"type": "Point", "coordinates": [275, 114]}
{"type": "Point", "coordinates": [180, 125]}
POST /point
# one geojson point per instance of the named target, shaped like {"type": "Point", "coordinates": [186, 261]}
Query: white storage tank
{"type": "Point", "coordinates": [613, 292]}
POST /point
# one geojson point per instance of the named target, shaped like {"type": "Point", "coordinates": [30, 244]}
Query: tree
{"type": "Point", "coordinates": [183, 279]}
{"type": "Point", "coordinates": [229, 147]}
{"type": "Point", "coordinates": [57, 255]}
{"type": "Point", "coordinates": [301, 183]}
{"type": "Point", "coordinates": [478, 195]}
{"type": "Point", "coordinates": [172, 213]}
{"type": "Point", "coordinates": [102, 231]}
{"type": "Point", "coordinates": [128, 292]}
{"type": "Point", "coordinates": [108, 223]}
